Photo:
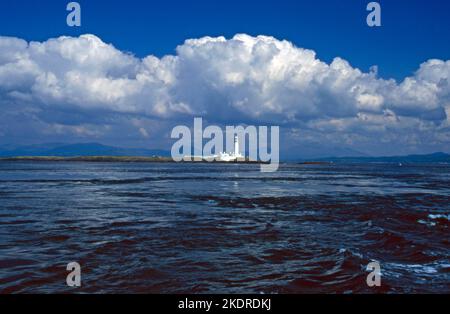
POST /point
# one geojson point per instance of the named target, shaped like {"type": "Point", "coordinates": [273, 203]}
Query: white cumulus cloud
{"type": "Point", "coordinates": [242, 79]}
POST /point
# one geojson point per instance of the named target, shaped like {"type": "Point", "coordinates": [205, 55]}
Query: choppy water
{"type": "Point", "coordinates": [215, 228]}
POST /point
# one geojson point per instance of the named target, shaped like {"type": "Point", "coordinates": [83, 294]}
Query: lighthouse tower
{"type": "Point", "coordinates": [231, 156]}
{"type": "Point", "coordinates": [236, 146]}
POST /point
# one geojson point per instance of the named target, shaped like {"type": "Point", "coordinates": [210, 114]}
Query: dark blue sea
{"type": "Point", "coordinates": [224, 228]}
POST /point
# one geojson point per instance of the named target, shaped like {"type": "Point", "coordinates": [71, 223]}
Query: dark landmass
{"type": "Point", "coordinates": [75, 150]}
{"type": "Point", "coordinates": [94, 152]}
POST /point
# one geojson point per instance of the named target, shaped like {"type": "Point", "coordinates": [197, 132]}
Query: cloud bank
{"type": "Point", "coordinates": [84, 87]}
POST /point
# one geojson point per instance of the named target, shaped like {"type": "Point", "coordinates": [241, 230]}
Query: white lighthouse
{"type": "Point", "coordinates": [232, 156]}
{"type": "Point", "coordinates": [236, 146]}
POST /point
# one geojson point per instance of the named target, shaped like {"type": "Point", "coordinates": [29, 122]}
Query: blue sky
{"type": "Point", "coordinates": [43, 101]}
{"type": "Point", "coordinates": [413, 30]}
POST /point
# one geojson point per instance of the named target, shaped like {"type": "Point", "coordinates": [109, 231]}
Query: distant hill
{"type": "Point", "coordinates": [315, 151]}
{"type": "Point", "coordinates": [436, 157]}
{"type": "Point", "coordinates": [82, 149]}
{"type": "Point", "coordinates": [96, 149]}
